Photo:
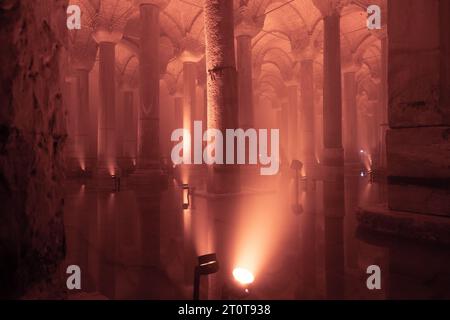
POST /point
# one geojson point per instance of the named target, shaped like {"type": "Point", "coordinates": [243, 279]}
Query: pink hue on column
{"type": "Point", "coordinates": [292, 122]}
{"type": "Point", "coordinates": [148, 141]}
{"type": "Point", "coordinates": [107, 157]}
{"type": "Point", "coordinates": [130, 128]}
{"type": "Point", "coordinates": [332, 108]}
{"type": "Point", "coordinates": [189, 94]}
{"type": "Point", "coordinates": [351, 124]}
{"type": "Point", "coordinates": [308, 153]}
{"type": "Point", "coordinates": [244, 62]}
{"type": "Point", "coordinates": [82, 84]}
{"type": "Point", "coordinates": [222, 85]}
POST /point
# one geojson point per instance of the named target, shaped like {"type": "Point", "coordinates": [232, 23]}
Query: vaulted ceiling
{"type": "Point", "coordinates": [285, 28]}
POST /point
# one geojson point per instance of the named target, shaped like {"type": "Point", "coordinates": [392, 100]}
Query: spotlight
{"type": "Point", "coordinates": [186, 196]}
{"type": "Point", "coordinates": [207, 264]}
{"type": "Point", "coordinates": [296, 165]}
{"type": "Point", "coordinates": [239, 287]}
{"type": "Point", "coordinates": [243, 276]}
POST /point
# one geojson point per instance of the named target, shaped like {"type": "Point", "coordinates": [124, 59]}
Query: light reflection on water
{"type": "Point", "coordinates": [114, 238]}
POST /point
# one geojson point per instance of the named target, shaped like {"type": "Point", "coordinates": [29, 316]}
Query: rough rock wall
{"type": "Point", "coordinates": [32, 135]}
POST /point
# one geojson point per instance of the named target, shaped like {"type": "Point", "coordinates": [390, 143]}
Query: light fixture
{"type": "Point", "coordinates": [207, 264]}
{"type": "Point", "coordinates": [297, 166]}
{"type": "Point", "coordinates": [239, 287]}
{"type": "Point", "coordinates": [243, 276]}
{"type": "Point", "coordinates": [186, 196]}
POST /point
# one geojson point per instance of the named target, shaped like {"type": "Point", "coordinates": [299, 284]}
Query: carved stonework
{"type": "Point", "coordinates": [246, 21]}
{"type": "Point", "coordinates": [330, 7]}
{"type": "Point", "coordinates": [191, 49]}
{"type": "Point", "coordinates": [83, 52]}
{"type": "Point", "coordinates": [111, 16]}
{"type": "Point", "coordinates": [304, 47]}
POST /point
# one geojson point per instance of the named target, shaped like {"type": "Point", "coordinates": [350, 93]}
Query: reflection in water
{"type": "Point", "coordinates": [143, 245]}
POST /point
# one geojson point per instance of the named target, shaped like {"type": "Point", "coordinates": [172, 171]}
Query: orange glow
{"type": "Point", "coordinates": [260, 227]}
{"type": "Point", "coordinates": [243, 276]}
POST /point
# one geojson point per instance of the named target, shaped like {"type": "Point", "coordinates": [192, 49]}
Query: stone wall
{"type": "Point", "coordinates": [32, 135]}
{"type": "Point", "coordinates": [418, 142]}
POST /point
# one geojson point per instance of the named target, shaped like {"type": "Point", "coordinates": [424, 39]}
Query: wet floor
{"type": "Point", "coordinates": [143, 245]}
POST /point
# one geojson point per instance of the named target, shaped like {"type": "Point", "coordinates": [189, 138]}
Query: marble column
{"type": "Point", "coordinates": [308, 154]}
{"type": "Point", "coordinates": [373, 126]}
{"type": "Point", "coordinates": [333, 162]}
{"type": "Point", "coordinates": [82, 138]}
{"type": "Point", "coordinates": [107, 158]}
{"type": "Point", "coordinates": [222, 86]}
{"type": "Point", "coordinates": [351, 154]}
{"type": "Point", "coordinates": [149, 75]}
{"type": "Point", "coordinates": [284, 134]}
{"type": "Point", "coordinates": [244, 34]}
{"type": "Point", "coordinates": [178, 109]}
{"type": "Point", "coordinates": [189, 97]}
{"type": "Point", "coordinates": [83, 54]}
{"type": "Point", "coordinates": [70, 96]}
{"type": "Point", "coordinates": [293, 135]}
{"type": "Point", "coordinates": [129, 126]}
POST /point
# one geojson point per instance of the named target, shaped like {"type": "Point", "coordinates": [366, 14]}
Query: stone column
{"type": "Point", "coordinates": [82, 60]}
{"type": "Point", "coordinates": [129, 126]}
{"type": "Point", "coordinates": [307, 89]}
{"type": "Point", "coordinates": [293, 143]}
{"type": "Point", "coordinates": [82, 75]}
{"type": "Point", "coordinates": [351, 154]}
{"type": "Point", "coordinates": [189, 96]}
{"type": "Point", "coordinates": [178, 109]}
{"type": "Point", "coordinates": [107, 158]}
{"type": "Point", "coordinates": [222, 85]}
{"type": "Point", "coordinates": [382, 36]}
{"type": "Point", "coordinates": [305, 50]}
{"type": "Point", "coordinates": [149, 74]}
{"type": "Point", "coordinates": [70, 98]}
{"type": "Point", "coordinates": [284, 134]}
{"type": "Point", "coordinates": [245, 31]}
{"type": "Point", "coordinates": [333, 162]}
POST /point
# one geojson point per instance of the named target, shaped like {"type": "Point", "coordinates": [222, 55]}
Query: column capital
{"type": "Point", "coordinates": [190, 56]}
{"type": "Point", "coordinates": [161, 4]}
{"type": "Point", "coordinates": [102, 34]}
{"type": "Point", "coordinates": [83, 53]}
{"type": "Point", "coordinates": [304, 46]}
{"type": "Point", "coordinates": [330, 7]}
{"type": "Point", "coordinates": [246, 24]}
